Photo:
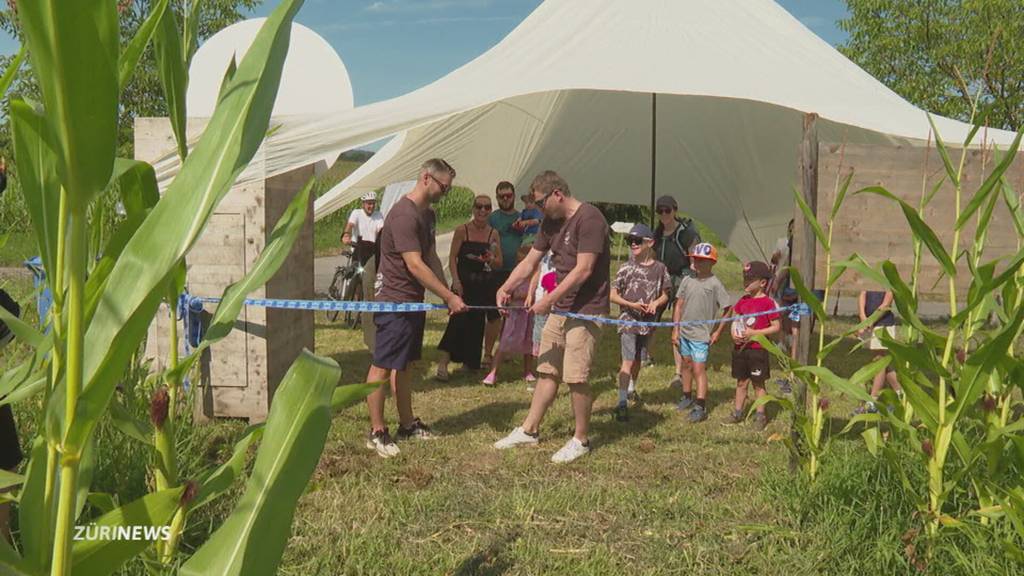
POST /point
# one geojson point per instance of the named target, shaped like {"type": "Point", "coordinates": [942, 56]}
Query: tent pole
{"type": "Point", "coordinates": [654, 152]}
{"type": "Point", "coordinates": [804, 245]}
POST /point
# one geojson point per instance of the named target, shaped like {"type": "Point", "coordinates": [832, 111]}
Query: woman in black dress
{"type": "Point", "coordinates": [475, 251]}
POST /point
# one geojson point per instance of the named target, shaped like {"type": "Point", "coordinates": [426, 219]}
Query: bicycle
{"type": "Point", "coordinates": [347, 286]}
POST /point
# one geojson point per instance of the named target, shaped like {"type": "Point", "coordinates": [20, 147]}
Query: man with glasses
{"type": "Point", "coordinates": [577, 235]}
{"type": "Point", "coordinates": [407, 263]}
{"type": "Point", "coordinates": [673, 239]}
{"type": "Point", "coordinates": [504, 221]}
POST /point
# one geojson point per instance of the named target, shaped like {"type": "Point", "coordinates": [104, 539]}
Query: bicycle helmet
{"type": "Point", "coordinates": [369, 197]}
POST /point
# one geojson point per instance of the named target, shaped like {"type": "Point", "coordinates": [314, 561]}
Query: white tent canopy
{"type": "Point", "coordinates": [571, 89]}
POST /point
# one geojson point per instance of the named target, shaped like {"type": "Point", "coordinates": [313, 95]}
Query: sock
{"type": "Point", "coordinates": [701, 402]}
{"type": "Point", "coordinates": [688, 394]}
{"type": "Point", "coordinates": [632, 385]}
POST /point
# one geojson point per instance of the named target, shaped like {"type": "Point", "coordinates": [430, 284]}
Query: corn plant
{"type": "Point", "coordinates": [958, 383]}
{"type": "Point", "coordinates": [810, 441]}
{"type": "Point", "coordinates": [65, 147]}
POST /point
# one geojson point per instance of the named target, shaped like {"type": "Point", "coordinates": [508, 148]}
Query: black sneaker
{"type": "Point", "coordinates": [381, 442]}
{"type": "Point", "coordinates": [621, 413]}
{"type": "Point", "coordinates": [417, 430]}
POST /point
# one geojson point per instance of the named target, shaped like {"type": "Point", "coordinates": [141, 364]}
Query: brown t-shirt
{"type": "Point", "coordinates": [406, 229]}
{"type": "Point", "coordinates": [585, 232]}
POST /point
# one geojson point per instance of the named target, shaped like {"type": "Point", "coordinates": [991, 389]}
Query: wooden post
{"type": "Point", "coordinates": [654, 155]}
{"type": "Point", "coordinates": [804, 243]}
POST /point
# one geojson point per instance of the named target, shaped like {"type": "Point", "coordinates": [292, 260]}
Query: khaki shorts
{"type": "Point", "coordinates": [567, 348]}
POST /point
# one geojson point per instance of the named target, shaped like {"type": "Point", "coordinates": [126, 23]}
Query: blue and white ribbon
{"type": "Point", "coordinates": [404, 307]}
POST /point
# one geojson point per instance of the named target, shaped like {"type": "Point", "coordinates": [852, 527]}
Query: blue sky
{"type": "Point", "coordinates": [391, 47]}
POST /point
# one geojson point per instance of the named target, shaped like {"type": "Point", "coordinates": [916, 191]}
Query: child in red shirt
{"type": "Point", "coordinates": [750, 361]}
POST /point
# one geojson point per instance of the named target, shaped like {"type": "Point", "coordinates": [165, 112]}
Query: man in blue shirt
{"type": "Point", "coordinates": [503, 220]}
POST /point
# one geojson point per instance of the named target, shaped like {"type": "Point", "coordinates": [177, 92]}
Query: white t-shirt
{"type": "Point", "coordinates": [545, 268]}
{"type": "Point", "coordinates": [365, 227]}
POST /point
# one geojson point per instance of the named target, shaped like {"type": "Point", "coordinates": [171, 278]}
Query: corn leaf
{"type": "Point", "coordinates": [346, 396]}
{"type": "Point", "coordinates": [12, 69]}
{"type": "Point", "coordinates": [954, 177]}
{"type": "Point", "coordinates": [835, 382]}
{"type": "Point", "coordinates": [173, 76]}
{"type": "Point", "coordinates": [838, 203]}
{"type": "Point", "coordinates": [253, 537]}
{"type": "Point", "coordinates": [128, 424]}
{"type": "Point", "coordinates": [812, 219]}
{"type": "Point", "coordinates": [921, 230]}
{"type": "Point", "coordinates": [981, 363]}
{"type": "Point", "coordinates": [190, 31]}
{"type": "Point", "coordinates": [137, 46]}
{"type": "Point", "coordinates": [37, 174]}
{"type": "Point", "coordinates": [1012, 202]}
{"type": "Point", "coordinates": [808, 297]}
{"type": "Point", "coordinates": [33, 518]}
{"type": "Point", "coordinates": [992, 183]}
{"type": "Point", "coordinates": [74, 51]}
{"type": "Point", "coordinates": [99, 556]}
{"type": "Point", "coordinates": [139, 278]}
{"type": "Point", "coordinates": [222, 478]}
{"type": "Point", "coordinates": [21, 330]}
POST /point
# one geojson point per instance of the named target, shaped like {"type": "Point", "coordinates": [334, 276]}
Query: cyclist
{"type": "Point", "coordinates": [367, 223]}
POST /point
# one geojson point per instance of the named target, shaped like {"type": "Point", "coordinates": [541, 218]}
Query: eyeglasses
{"type": "Point", "coordinates": [486, 207]}
{"type": "Point", "coordinates": [665, 210]}
{"type": "Point", "coordinates": [635, 240]}
{"type": "Point", "coordinates": [540, 202]}
{"type": "Point", "coordinates": [444, 187]}
{"type": "Point", "coordinates": [506, 196]}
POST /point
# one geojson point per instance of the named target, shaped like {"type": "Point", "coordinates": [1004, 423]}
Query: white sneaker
{"type": "Point", "coordinates": [382, 443]}
{"type": "Point", "coordinates": [517, 437]}
{"type": "Point", "coordinates": [572, 450]}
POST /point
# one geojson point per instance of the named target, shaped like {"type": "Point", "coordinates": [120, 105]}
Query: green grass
{"type": "Point", "coordinates": [657, 495]}
{"type": "Point", "coordinates": [20, 246]}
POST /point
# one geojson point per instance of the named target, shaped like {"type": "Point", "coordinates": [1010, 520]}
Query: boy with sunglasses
{"type": "Point", "coordinates": [641, 286]}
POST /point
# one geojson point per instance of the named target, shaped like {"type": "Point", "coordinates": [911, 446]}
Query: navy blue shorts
{"type": "Point", "coordinates": [399, 339]}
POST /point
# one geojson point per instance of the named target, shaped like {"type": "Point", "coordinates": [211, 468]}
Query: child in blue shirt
{"type": "Point", "coordinates": [529, 218]}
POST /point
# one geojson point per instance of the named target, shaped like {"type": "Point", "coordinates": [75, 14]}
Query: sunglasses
{"type": "Point", "coordinates": [542, 199]}
{"type": "Point", "coordinates": [635, 240]}
{"type": "Point", "coordinates": [665, 210]}
{"type": "Point", "coordinates": [444, 187]}
{"type": "Point", "coordinates": [482, 206]}
{"type": "Point", "coordinates": [506, 196]}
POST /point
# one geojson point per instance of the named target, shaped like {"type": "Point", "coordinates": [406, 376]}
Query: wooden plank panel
{"type": "Point", "coordinates": [876, 229]}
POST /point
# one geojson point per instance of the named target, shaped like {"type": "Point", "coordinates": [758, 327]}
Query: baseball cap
{"type": "Point", "coordinates": [666, 202]}
{"type": "Point", "coordinates": [704, 250]}
{"type": "Point", "coordinates": [756, 270]}
{"type": "Point", "coordinates": [641, 231]}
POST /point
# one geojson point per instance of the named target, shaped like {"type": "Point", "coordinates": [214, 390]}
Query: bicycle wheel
{"type": "Point", "coordinates": [334, 292]}
{"type": "Point", "coordinates": [352, 319]}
